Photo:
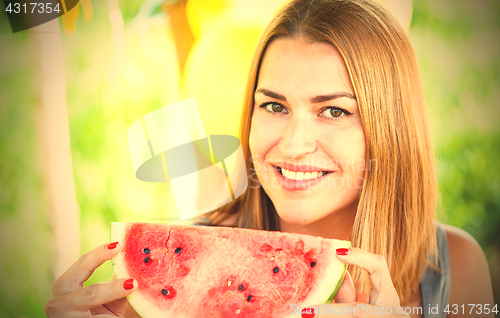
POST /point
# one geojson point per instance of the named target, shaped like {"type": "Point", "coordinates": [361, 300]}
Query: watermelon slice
{"type": "Point", "coordinates": [201, 271]}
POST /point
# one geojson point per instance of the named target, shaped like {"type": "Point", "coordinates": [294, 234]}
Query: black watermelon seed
{"type": "Point", "coordinates": [313, 264]}
{"type": "Point", "coordinates": [178, 250]}
{"type": "Point", "coordinates": [146, 260]}
{"type": "Point", "coordinates": [168, 292]}
{"type": "Point", "coordinates": [249, 297]}
{"type": "Point", "coordinates": [146, 250]}
{"type": "Point", "coordinates": [276, 269]}
{"type": "Point", "coordinates": [241, 287]}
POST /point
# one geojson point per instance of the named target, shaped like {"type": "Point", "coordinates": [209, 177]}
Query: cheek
{"type": "Point", "coordinates": [261, 139]}
{"type": "Point", "coordinates": [253, 144]}
{"type": "Point", "coordinates": [354, 154]}
{"type": "Point", "coordinates": [346, 147]}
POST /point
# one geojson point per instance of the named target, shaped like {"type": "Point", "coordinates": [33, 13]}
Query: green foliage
{"type": "Point", "coordinates": [129, 9]}
{"type": "Point", "coordinates": [458, 50]}
{"type": "Point", "coordinates": [25, 237]}
{"type": "Point", "coordinates": [110, 87]}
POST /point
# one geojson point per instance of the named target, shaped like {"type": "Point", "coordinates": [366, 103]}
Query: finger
{"type": "Point", "coordinates": [362, 298]}
{"type": "Point", "coordinates": [99, 294]}
{"type": "Point", "coordinates": [382, 290]}
{"type": "Point", "coordinates": [81, 270]}
{"type": "Point", "coordinates": [116, 307]}
{"type": "Point", "coordinates": [346, 293]}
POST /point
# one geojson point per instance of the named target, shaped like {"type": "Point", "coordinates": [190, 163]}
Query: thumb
{"type": "Point", "coordinates": [346, 293]}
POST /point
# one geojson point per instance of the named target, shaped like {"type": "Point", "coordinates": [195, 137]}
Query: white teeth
{"type": "Point", "coordinates": [302, 175]}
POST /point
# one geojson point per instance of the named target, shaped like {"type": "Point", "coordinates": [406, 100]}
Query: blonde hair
{"type": "Point", "coordinates": [396, 210]}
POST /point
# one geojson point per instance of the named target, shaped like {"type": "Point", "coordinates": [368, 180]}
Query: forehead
{"type": "Point", "coordinates": [315, 67]}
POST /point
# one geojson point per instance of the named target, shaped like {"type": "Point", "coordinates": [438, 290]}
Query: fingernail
{"type": "Point", "coordinates": [111, 246]}
{"type": "Point", "coordinates": [342, 251]}
{"type": "Point", "coordinates": [128, 284]}
{"type": "Point", "coordinates": [308, 312]}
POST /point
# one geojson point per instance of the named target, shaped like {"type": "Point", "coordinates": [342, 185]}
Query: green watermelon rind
{"type": "Point", "coordinates": [138, 297]}
{"type": "Point", "coordinates": [341, 280]}
{"type": "Point", "coordinates": [118, 231]}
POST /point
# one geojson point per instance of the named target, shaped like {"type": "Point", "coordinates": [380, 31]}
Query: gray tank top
{"type": "Point", "coordinates": [436, 285]}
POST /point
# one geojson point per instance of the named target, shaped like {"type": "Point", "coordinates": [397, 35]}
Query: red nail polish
{"type": "Point", "coordinates": [128, 284]}
{"type": "Point", "coordinates": [342, 251]}
{"type": "Point", "coordinates": [308, 312]}
{"type": "Point", "coordinates": [111, 246]}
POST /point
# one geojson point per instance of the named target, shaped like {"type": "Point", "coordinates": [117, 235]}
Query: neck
{"type": "Point", "coordinates": [337, 225]}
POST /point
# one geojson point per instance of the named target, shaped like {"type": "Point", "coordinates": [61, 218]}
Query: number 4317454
{"type": "Point", "coordinates": [32, 7]}
{"type": "Point", "coordinates": [470, 309]}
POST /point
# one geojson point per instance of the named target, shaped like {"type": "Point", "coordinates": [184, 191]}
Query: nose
{"type": "Point", "coordinates": [298, 139]}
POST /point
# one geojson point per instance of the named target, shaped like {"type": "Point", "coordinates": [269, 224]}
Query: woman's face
{"type": "Point", "coordinates": [306, 139]}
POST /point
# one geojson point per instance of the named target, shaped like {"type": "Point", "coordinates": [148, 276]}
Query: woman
{"type": "Point", "coordinates": [337, 143]}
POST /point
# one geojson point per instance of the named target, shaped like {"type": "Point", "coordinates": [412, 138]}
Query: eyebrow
{"type": "Point", "coordinates": [315, 99]}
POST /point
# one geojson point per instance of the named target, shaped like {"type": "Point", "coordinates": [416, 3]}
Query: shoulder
{"type": "Point", "coordinates": [230, 221]}
{"type": "Point", "coordinates": [461, 242]}
{"type": "Point", "coordinates": [470, 276]}
{"type": "Point", "coordinates": [465, 252]}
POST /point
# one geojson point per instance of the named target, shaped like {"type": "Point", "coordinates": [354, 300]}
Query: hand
{"type": "Point", "coordinates": [71, 299]}
{"type": "Point", "coordinates": [383, 301]}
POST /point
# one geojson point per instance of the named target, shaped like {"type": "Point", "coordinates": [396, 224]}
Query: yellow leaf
{"type": "Point", "coordinates": [69, 19]}
{"type": "Point", "coordinates": [87, 9]}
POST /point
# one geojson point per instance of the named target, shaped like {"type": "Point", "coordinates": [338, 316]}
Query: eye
{"type": "Point", "coordinates": [273, 107]}
{"type": "Point", "coordinates": [334, 113]}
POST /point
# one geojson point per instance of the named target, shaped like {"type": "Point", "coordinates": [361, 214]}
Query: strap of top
{"type": "Point", "coordinates": [436, 285]}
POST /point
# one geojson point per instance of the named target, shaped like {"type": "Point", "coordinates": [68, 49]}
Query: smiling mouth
{"type": "Point", "coordinates": [299, 175]}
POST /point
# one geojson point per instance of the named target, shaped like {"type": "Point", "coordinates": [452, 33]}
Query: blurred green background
{"type": "Point", "coordinates": [112, 80]}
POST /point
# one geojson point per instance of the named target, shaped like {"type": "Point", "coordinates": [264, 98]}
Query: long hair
{"type": "Point", "coordinates": [397, 205]}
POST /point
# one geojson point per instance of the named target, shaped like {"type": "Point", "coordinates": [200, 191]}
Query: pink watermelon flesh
{"type": "Point", "coordinates": [198, 271]}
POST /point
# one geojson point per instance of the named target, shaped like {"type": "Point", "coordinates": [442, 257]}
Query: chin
{"type": "Point", "coordinates": [299, 217]}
